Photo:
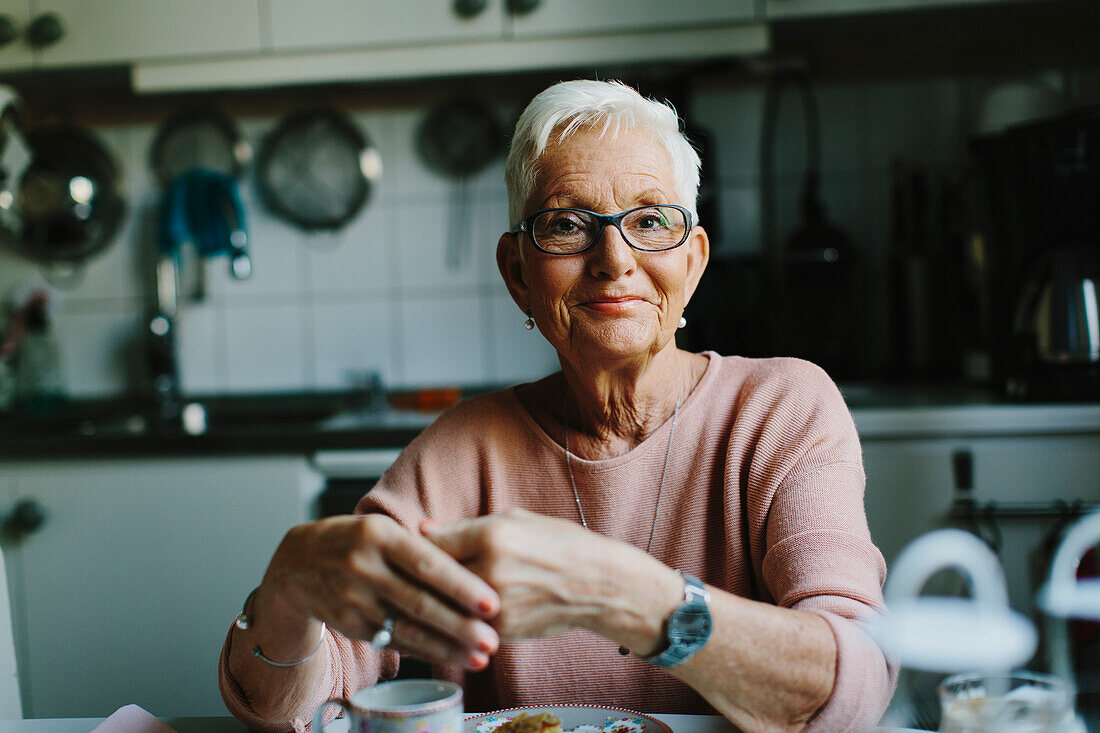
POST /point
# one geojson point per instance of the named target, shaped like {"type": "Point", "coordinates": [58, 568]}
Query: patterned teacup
{"type": "Point", "coordinates": [402, 706]}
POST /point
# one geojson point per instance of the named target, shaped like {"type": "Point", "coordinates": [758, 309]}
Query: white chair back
{"type": "Point", "coordinates": [1066, 597]}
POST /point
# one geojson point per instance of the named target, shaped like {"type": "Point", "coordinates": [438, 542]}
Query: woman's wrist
{"type": "Point", "coordinates": [636, 604]}
{"type": "Point", "coordinates": [279, 629]}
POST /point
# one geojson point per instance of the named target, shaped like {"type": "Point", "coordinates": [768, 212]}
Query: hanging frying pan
{"type": "Point", "coordinates": [15, 158]}
{"type": "Point", "coordinates": [459, 139]}
{"type": "Point", "coordinates": [316, 169]}
{"type": "Point", "coordinates": [69, 200]}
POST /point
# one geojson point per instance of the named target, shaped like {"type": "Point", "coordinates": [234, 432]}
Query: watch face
{"type": "Point", "coordinates": [688, 628]}
{"type": "Point", "coordinates": [690, 625]}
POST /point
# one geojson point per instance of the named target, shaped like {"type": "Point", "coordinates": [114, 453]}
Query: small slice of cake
{"type": "Point", "coordinates": [532, 723]}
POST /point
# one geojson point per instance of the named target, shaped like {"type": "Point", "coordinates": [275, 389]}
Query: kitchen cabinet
{"type": "Point", "coordinates": [583, 17]}
{"type": "Point", "coordinates": [329, 25]}
{"type": "Point", "coordinates": [911, 484]}
{"type": "Point", "coordinates": [353, 41]}
{"type": "Point", "coordinates": [271, 41]}
{"type": "Point", "coordinates": [126, 590]}
{"type": "Point", "coordinates": [72, 33]}
{"type": "Point", "coordinates": [797, 8]}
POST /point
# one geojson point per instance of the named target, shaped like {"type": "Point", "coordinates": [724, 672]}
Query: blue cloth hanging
{"type": "Point", "coordinates": [203, 208]}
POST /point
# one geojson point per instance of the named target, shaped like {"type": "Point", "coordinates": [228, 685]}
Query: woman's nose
{"type": "Point", "coordinates": [611, 257]}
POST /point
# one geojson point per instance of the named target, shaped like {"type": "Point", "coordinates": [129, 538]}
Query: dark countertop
{"type": "Point", "coordinates": [272, 423]}
{"type": "Point", "coordinates": [305, 423]}
{"type": "Point", "coordinates": [251, 439]}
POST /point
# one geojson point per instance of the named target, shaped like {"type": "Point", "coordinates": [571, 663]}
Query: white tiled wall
{"type": "Point", "coordinates": [398, 290]}
{"type": "Point", "coordinates": [386, 294]}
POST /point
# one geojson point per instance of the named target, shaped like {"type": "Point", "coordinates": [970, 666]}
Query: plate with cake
{"type": "Point", "coordinates": [564, 719]}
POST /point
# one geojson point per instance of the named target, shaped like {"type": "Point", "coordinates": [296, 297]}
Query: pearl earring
{"type": "Point", "coordinates": [683, 321]}
{"type": "Point", "coordinates": [529, 324]}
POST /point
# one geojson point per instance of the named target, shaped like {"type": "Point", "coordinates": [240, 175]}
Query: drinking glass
{"type": "Point", "coordinates": [1013, 702]}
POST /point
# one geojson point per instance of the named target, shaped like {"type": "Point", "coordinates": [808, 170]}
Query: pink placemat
{"type": "Point", "coordinates": [132, 719]}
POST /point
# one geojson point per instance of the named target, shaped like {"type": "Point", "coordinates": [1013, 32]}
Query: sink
{"type": "Point", "coordinates": [261, 413]}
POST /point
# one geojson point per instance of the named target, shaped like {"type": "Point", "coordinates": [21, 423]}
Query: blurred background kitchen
{"type": "Point", "coordinates": [247, 252]}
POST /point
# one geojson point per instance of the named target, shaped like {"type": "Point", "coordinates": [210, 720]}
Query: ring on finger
{"type": "Point", "coordinates": [384, 636]}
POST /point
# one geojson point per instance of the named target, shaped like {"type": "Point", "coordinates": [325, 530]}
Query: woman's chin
{"type": "Point", "coordinates": [617, 340]}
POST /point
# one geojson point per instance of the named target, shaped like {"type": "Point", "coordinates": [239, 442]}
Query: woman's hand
{"type": "Point", "coordinates": [351, 572]}
{"type": "Point", "coordinates": [553, 575]}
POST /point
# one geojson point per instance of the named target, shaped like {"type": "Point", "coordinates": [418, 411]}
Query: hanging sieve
{"type": "Point", "coordinates": [206, 139]}
{"type": "Point", "coordinates": [316, 169]}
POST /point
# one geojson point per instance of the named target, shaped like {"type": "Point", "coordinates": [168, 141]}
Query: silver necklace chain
{"type": "Point", "coordinates": [660, 486]}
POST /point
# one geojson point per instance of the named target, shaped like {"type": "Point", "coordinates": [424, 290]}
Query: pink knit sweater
{"type": "Point", "coordinates": [763, 498]}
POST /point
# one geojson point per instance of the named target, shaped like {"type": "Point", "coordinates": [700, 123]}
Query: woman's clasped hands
{"type": "Point", "coordinates": [552, 575]}
{"type": "Point", "coordinates": [354, 572]}
{"type": "Point", "coordinates": [455, 591]}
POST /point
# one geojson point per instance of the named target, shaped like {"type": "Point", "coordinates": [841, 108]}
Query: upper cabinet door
{"type": "Point", "coordinates": [119, 31]}
{"type": "Point", "coordinates": [792, 8]}
{"type": "Point", "coordinates": [15, 53]}
{"type": "Point", "coordinates": [589, 17]}
{"type": "Point", "coordinates": [355, 24]}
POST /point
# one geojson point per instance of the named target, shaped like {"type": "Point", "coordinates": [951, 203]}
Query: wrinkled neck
{"type": "Point", "coordinates": [609, 411]}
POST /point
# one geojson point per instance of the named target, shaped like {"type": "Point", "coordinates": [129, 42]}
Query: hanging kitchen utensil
{"type": "Point", "coordinates": [203, 209]}
{"type": "Point", "coordinates": [814, 271]}
{"type": "Point", "coordinates": [69, 200]}
{"type": "Point", "coordinates": [200, 140]}
{"type": "Point", "coordinates": [316, 169]}
{"type": "Point", "coordinates": [205, 139]}
{"type": "Point", "coordinates": [459, 139]}
{"type": "Point", "coordinates": [15, 157]}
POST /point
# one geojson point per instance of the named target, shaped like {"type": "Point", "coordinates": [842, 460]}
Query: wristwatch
{"type": "Point", "coordinates": [688, 628]}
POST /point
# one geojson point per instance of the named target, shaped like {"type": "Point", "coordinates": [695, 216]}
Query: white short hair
{"type": "Point", "coordinates": [610, 106]}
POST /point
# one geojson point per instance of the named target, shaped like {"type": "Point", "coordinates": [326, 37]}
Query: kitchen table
{"type": "Point", "coordinates": [678, 723]}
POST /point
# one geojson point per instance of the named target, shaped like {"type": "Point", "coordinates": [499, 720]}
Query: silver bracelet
{"type": "Point", "coordinates": [244, 621]}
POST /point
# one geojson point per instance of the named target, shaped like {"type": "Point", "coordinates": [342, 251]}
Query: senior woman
{"type": "Point", "coordinates": [647, 528]}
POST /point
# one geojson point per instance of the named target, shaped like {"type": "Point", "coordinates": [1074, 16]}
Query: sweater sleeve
{"type": "Point", "coordinates": [817, 550]}
{"type": "Point", "coordinates": [405, 493]}
{"type": "Point", "coordinates": [419, 484]}
{"type": "Point", "coordinates": [352, 666]}
{"type": "Point", "coordinates": [822, 560]}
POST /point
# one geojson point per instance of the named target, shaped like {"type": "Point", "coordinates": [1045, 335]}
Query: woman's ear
{"type": "Point", "coordinates": [698, 253]}
{"type": "Point", "coordinates": [511, 263]}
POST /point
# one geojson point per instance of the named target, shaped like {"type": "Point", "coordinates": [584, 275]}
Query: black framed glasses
{"type": "Point", "coordinates": [571, 231]}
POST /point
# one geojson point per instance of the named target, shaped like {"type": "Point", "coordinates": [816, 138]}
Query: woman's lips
{"type": "Point", "coordinates": [613, 305]}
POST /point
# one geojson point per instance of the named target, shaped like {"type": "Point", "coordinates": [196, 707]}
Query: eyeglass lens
{"type": "Point", "coordinates": [647, 228]}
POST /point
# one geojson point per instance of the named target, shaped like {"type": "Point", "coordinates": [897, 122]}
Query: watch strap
{"type": "Point", "coordinates": [687, 628]}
